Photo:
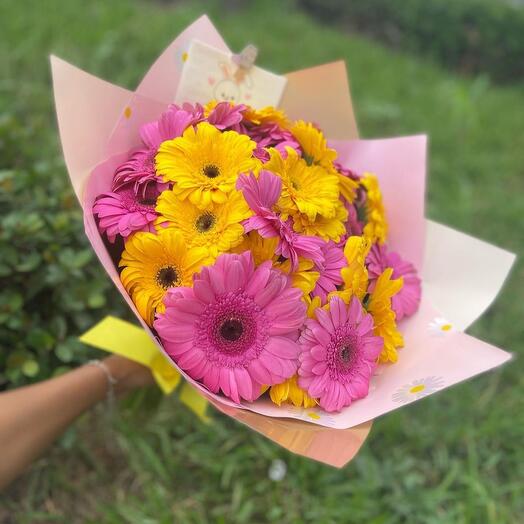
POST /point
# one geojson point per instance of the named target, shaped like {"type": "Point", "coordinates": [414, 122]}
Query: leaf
{"type": "Point", "coordinates": [39, 338]}
{"type": "Point", "coordinates": [5, 270]}
{"type": "Point", "coordinates": [64, 352]}
{"type": "Point", "coordinates": [10, 301]}
{"type": "Point", "coordinates": [29, 262]}
{"type": "Point", "coordinates": [30, 368]}
{"type": "Point", "coordinates": [69, 349]}
{"type": "Point", "coordinates": [75, 259]}
{"type": "Point", "coordinates": [96, 300]}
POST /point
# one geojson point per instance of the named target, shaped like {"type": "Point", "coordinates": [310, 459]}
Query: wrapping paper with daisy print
{"type": "Point", "coordinates": [436, 352]}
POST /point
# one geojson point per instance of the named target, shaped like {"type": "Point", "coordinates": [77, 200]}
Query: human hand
{"type": "Point", "coordinates": [128, 374]}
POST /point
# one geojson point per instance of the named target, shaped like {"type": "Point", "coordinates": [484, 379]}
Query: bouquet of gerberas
{"type": "Point", "coordinates": [236, 225]}
{"type": "Point", "coordinates": [254, 249]}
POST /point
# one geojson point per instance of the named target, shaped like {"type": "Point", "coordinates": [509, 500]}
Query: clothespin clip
{"type": "Point", "coordinates": [245, 61]}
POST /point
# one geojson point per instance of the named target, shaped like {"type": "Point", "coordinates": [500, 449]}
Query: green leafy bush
{"type": "Point", "coordinates": [476, 36]}
{"type": "Point", "coordinates": [51, 286]}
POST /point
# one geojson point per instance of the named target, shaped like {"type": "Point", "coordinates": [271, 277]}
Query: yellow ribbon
{"type": "Point", "coordinates": [194, 401]}
{"type": "Point", "coordinates": [122, 338]}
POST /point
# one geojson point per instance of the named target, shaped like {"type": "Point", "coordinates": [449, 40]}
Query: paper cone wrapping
{"type": "Point", "coordinates": [99, 124]}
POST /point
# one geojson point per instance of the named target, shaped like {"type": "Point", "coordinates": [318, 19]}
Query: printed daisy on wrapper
{"type": "Point", "coordinates": [440, 327]}
{"type": "Point", "coordinates": [418, 389]}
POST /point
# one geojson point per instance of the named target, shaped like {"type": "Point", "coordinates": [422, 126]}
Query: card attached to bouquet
{"type": "Point", "coordinates": [212, 74]}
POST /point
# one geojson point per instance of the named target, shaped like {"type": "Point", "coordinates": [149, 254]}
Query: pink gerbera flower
{"type": "Point", "coordinates": [236, 329]}
{"type": "Point", "coordinates": [261, 194]}
{"type": "Point", "coordinates": [338, 354]}
{"type": "Point", "coordinates": [139, 171]}
{"type": "Point", "coordinates": [123, 212]}
{"type": "Point", "coordinates": [227, 116]}
{"type": "Point", "coordinates": [346, 172]}
{"type": "Point", "coordinates": [407, 300]}
{"type": "Point", "coordinates": [354, 227]}
{"type": "Point", "coordinates": [261, 153]}
{"type": "Point", "coordinates": [171, 124]}
{"type": "Point", "coordinates": [271, 135]}
{"type": "Point", "coordinates": [330, 278]}
{"type": "Point", "coordinates": [136, 173]}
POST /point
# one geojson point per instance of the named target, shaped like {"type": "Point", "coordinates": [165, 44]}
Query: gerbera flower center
{"type": "Point", "coordinates": [147, 201]}
{"type": "Point", "coordinates": [308, 158]}
{"type": "Point", "coordinates": [167, 277]}
{"type": "Point", "coordinates": [211, 170]}
{"type": "Point", "coordinates": [205, 222]}
{"type": "Point", "coordinates": [231, 329]}
{"type": "Point", "coordinates": [346, 352]}
{"type": "Point", "coordinates": [148, 196]}
{"type": "Point", "coordinates": [343, 351]}
{"type": "Point", "coordinates": [295, 184]}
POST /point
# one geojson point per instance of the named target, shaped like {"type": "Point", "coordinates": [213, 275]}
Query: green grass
{"type": "Point", "coordinates": [455, 457]}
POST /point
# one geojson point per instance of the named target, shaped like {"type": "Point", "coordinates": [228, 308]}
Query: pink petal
{"type": "Point", "coordinates": [283, 347]}
{"type": "Point", "coordinates": [318, 352]}
{"type": "Point", "coordinates": [337, 308]}
{"type": "Point", "coordinates": [317, 386]}
{"type": "Point", "coordinates": [324, 319]}
{"type": "Point", "coordinates": [177, 349]}
{"type": "Point", "coordinates": [193, 307]}
{"type": "Point", "coordinates": [177, 334]}
{"type": "Point", "coordinates": [271, 291]}
{"type": "Point", "coordinates": [245, 384]}
{"type": "Point", "coordinates": [212, 378]}
{"type": "Point", "coordinates": [321, 335]}
{"type": "Point", "coordinates": [224, 381]}
{"type": "Point", "coordinates": [320, 368]}
{"type": "Point", "coordinates": [366, 325]}
{"type": "Point", "coordinates": [190, 358]}
{"type": "Point", "coordinates": [259, 372]}
{"type": "Point", "coordinates": [234, 277]}
{"type": "Point", "coordinates": [198, 370]}
{"type": "Point", "coordinates": [203, 291]}
{"type": "Point", "coordinates": [217, 280]}
{"type": "Point", "coordinates": [355, 309]}
{"type": "Point", "coordinates": [150, 135]}
{"type": "Point", "coordinates": [259, 279]}
{"type": "Point", "coordinates": [233, 389]}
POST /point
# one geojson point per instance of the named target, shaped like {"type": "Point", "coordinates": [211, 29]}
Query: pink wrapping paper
{"type": "Point", "coordinates": [99, 124]}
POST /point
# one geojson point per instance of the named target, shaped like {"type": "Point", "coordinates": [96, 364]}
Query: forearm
{"type": "Point", "coordinates": [31, 418]}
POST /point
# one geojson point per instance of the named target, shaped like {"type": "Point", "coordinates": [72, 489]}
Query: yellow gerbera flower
{"type": "Point", "coordinates": [204, 163]}
{"type": "Point", "coordinates": [261, 248]}
{"type": "Point", "coordinates": [316, 152]}
{"type": "Point", "coordinates": [216, 227]}
{"type": "Point", "coordinates": [265, 115]}
{"type": "Point", "coordinates": [376, 227]}
{"type": "Point", "coordinates": [355, 274]}
{"type": "Point", "coordinates": [209, 107]}
{"type": "Point", "coordinates": [348, 187]}
{"type": "Point", "coordinates": [304, 278]}
{"type": "Point", "coordinates": [308, 190]}
{"type": "Point", "coordinates": [154, 263]}
{"type": "Point", "coordinates": [312, 304]}
{"type": "Point", "coordinates": [314, 144]}
{"type": "Point", "coordinates": [326, 228]}
{"type": "Point", "coordinates": [290, 391]}
{"type": "Point", "coordinates": [383, 315]}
